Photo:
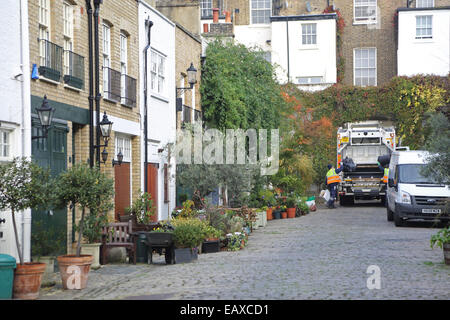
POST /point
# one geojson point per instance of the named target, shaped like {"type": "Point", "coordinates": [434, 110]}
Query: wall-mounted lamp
{"type": "Point", "coordinates": [192, 79]}
{"type": "Point", "coordinates": [45, 114]}
{"type": "Point", "coordinates": [119, 159]}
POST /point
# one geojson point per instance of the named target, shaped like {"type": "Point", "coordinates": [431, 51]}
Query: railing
{"type": "Point", "coordinates": [197, 115]}
{"type": "Point", "coordinates": [187, 115]}
{"type": "Point", "coordinates": [51, 56]}
{"type": "Point", "coordinates": [128, 91]}
{"type": "Point", "coordinates": [73, 69]}
{"type": "Point", "coordinates": [111, 84]}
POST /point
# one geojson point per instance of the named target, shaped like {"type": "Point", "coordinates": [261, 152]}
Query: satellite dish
{"type": "Point", "coordinates": [308, 6]}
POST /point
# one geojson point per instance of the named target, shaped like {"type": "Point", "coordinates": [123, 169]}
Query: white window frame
{"type": "Point", "coordinates": [205, 7]}
{"type": "Point", "coordinates": [424, 37]}
{"type": "Point", "coordinates": [106, 50]}
{"type": "Point", "coordinates": [123, 144]}
{"type": "Point", "coordinates": [424, 3]}
{"type": "Point", "coordinates": [252, 10]}
{"type": "Point", "coordinates": [8, 132]}
{"type": "Point", "coordinates": [368, 19]}
{"type": "Point", "coordinates": [68, 34]}
{"type": "Point", "coordinates": [362, 67]}
{"type": "Point", "coordinates": [158, 72]}
{"type": "Point", "coordinates": [44, 29]}
{"type": "Point", "coordinates": [44, 13]}
{"type": "Point", "coordinates": [123, 64]}
{"type": "Point", "coordinates": [309, 80]}
{"type": "Point", "coordinates": [310, 34]}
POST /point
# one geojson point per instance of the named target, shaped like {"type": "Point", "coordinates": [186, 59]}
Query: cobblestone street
{"type": "Point", "coordinates": [323, 255]}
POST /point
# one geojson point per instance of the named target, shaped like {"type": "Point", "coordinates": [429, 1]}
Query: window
{"type": "Point", "coordinates": [365, 67]}
{"type": "Point", "coordinates": [424, 27]}
{"type": "Point", "coordinates": [260, 11]}
{"type": "Point", "coordinates": [309, 33]}
{"type": "Point", "coordinates": [206, 8]}
{"type": "Point", "coordinates": [123, 144]}
{"type": "Point", "coordinates": [309, 80]}
{"type": "Point", "coordinates": [106, 58]}
{"type": "Point", "coordinates": [157, 72]}
{"type": "Point", "coordinates": [44, 29]}
{"type": "Point", "coordinates": [123, 64]}
{"type": "Point", "coordinates": [425, 4]}
{"type": "Point", "coordinates": [68, 35]}
{"type": "Point", "coordinates": [365, 11]}
{"type": "Point", "coordinates": [5, 144]}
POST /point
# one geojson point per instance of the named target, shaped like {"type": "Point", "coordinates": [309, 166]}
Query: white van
{"type": "Point", "coordinates": [410, 195]}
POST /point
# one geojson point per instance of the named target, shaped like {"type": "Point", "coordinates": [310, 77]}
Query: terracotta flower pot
{"type": "Point", "coordinates": [27, 280]}
{"type": "Point", "coordinates": [269, 214]}
{"type": "Point", "coordinates": [74, 270]}
{"type": "Point", "coordinates": [283, 215]}
{"type": "Point", "coordinates": [291, 212]}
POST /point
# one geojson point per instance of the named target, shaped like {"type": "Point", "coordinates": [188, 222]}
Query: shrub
{"type": "Point", "coordinates": [188, 232]}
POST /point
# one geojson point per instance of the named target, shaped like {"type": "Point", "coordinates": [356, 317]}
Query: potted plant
{"type": "Point", "coordinates": [442, 240]}
{"type": "Point", "coordinates": [187, 234]}
{"type": "Point", "coordinates": [161, 238]}
{"type": "Point", "coordinates": [290, 203]}
{"type": "Point", "coordinates": [283, 209]}
{"type": "Point", "coordinates": [91, 190]}
{"type": "Point", "coordinates": [141, 211]}
{"type": "Point", "coordinates": [92, 233]}
{"type": "Point", "coordinates": [44, 250]}
{"type": "Point", "coordinates": [23, 185]}
{"type": "Point", "coordinates": [211, 242]}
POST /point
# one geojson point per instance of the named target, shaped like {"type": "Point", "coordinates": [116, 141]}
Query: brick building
{"type": "Point", "coordinates": [60, 57]}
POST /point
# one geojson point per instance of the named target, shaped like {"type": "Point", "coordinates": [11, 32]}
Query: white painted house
{"type": "Point", "coordinates": [304, 49]}
{"type": "Point", "coordinates": [15, 115]}
{"type": "Point", "coordinates": [159, 101]}
{"type": "Point", "coordinates": [423, 41]}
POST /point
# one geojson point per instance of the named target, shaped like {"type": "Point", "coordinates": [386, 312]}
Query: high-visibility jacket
{"type": "Point", "coordinates": [386, 173]}
{"type": "Point", "coordinates": [332, 176]}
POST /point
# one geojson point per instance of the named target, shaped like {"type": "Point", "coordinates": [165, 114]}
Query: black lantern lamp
{"type": "Point", "coordinates": [45, 114]}
{"type": "Point", "coordinates": [119, 159]}
{"type": "Point", "coordinates": [104, 155]}
{"type": "Point", "coordinates": [192, 75]}
{"type": "Point", "coordinates": [192, 79]}
{"type": "Point", "coordinates": [105, 128]}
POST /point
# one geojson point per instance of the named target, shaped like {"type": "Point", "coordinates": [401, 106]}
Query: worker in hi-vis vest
{"type": "Point", "coordinates": [332, 180]}
{"type": "Point", "coordinates": [385, 172]}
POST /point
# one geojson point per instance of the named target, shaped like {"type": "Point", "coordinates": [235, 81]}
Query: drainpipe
{"type": "Point", "coordinates": [287, 47]}
{"type": "Point", "coordinates": [97, 79]}
{"type": "Point", "coordinates": [148, 24]}
{"type": "Point", "coordinates": [91, 87]}
{"type": "Point", "coordinates": [26, 118]}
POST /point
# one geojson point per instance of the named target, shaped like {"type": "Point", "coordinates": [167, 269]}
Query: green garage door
{"type": "Point", "coordinates": [49, 227]}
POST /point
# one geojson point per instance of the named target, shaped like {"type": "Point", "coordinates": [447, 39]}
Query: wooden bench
{"type": "Point", "coordinates": [118, 234]}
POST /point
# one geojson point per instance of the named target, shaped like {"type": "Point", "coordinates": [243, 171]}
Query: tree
{"type": "Point", "coordinates": [23, 185]}
{"type": "Point", "coordinates": [86, 187]}
{"type": "Point", "coordinates": [239, 89]}
{"type": "Point", "coordinates": [438, 144]}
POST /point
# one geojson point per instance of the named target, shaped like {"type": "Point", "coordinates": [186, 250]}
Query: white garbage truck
{"type": "Point", "coordinates": [359, 146]}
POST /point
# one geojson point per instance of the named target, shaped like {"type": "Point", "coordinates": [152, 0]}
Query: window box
{"type": "Point", "coordinates": [50, 73]}
{"type": "Point", "coordinates": [73, 81]}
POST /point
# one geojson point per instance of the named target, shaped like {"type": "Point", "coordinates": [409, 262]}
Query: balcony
{"type": "Point", "coordinates": [186, 116]}
{"type": "Point", "coordinates": [128, 91]}
{"type": "Point", "coordinates": [111, 84]}
{"type": "Point", "coordinates": [73, 69]}
{"type": "Point", "coordinates": [51, 57]}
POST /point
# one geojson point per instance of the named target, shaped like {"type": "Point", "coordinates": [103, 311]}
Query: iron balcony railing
{"type": "Point", "coordinates": [73, 69]}
{"type": "Point", "coordinates": [187, 115]}
{"type": "Point", "coordinates": [128, 91]}
{"type": "Point", "coordinates": [197, 115]}
{"type": "Point", "coordinates": [111, 84]}
{"type": "Point", "coordinates": [51, 56]}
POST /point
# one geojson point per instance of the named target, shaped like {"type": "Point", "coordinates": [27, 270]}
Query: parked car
{"type": "Point", "coordinates": [410, 194]}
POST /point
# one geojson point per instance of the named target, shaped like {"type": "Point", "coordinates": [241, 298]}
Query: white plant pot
{"type": "Point", "coordinates": [92, 249]}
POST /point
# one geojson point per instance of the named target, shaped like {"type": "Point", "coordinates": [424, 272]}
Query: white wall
{"type": "Point", "coordinates": [16, 110]}
{"type": "Point", "coordinates": [256, 35]}
{"type": "Point", "coordinates": [423, 56]}
{"type": "Point", "coordinates": [305, 61]}
{"type": "Point", "coordinates": [161, 107]}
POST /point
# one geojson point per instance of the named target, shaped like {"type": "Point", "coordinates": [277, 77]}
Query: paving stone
{"type": "Point", "coordinates": [323, 255]}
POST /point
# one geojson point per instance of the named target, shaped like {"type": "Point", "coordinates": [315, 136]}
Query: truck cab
{"type": "Point", "coordinates": [410, 194]}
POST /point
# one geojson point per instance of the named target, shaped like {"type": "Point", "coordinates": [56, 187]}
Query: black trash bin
{"type": "Point", "coordinates": [141, 247]}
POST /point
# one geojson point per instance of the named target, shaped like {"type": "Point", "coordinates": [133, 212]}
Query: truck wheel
{"type": "Point", "coordinates": [399, 222]}
{"type": "Point", "coordinates": [390, 214]}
